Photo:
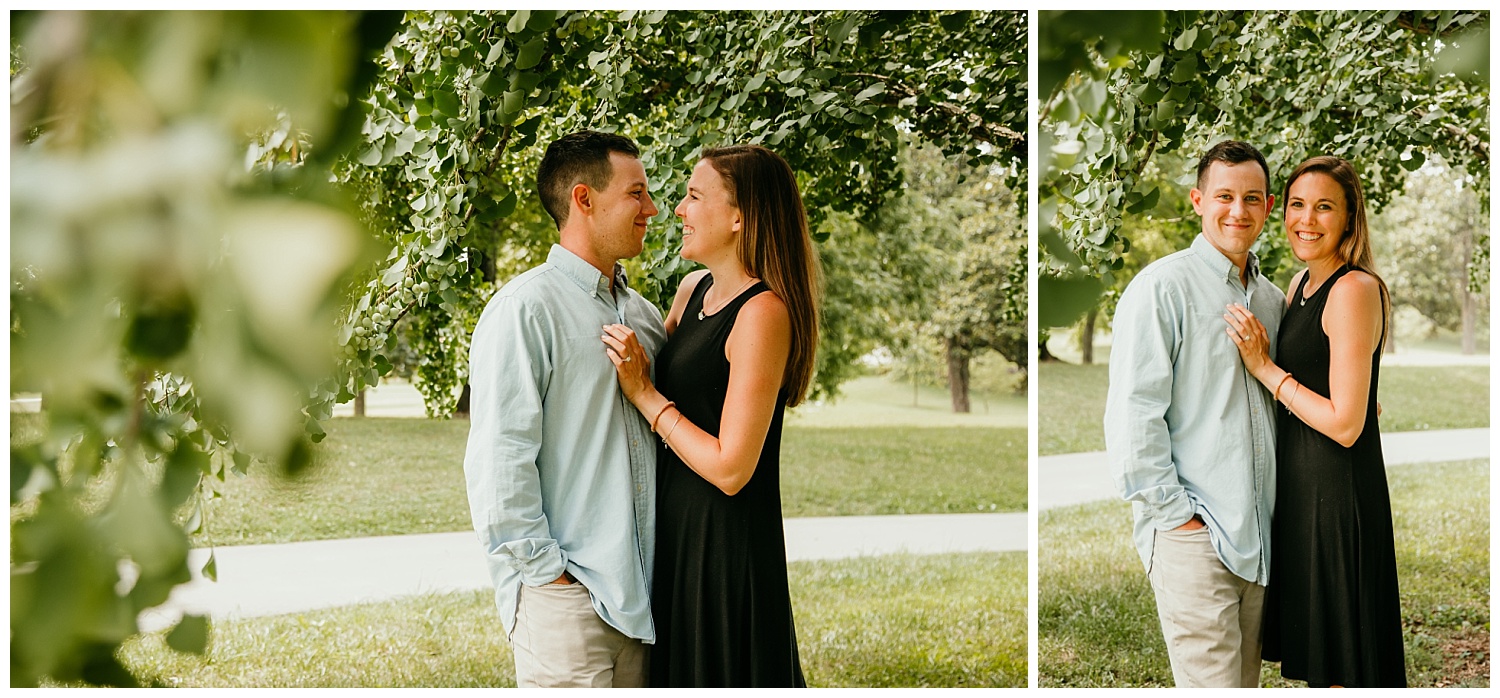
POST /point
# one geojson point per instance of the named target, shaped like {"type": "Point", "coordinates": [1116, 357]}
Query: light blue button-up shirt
{"type": "Point", "coordinates": [1188, 429]}
{"type": "Point", "coordinates": [561, 468]}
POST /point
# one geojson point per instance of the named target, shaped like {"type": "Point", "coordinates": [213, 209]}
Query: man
{"type": "Point", "coordinates": [1190, 432]}
{"type": "Point", "coordinates": [561, 469]}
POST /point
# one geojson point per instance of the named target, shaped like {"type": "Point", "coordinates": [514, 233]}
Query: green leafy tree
{"type": "Point", "coordinates": [1167, 227]}
{"type": "Point", "coordinates": [960, 230]}
{"type": "Point", "coordinates": [465, 102]}
{"type": "Point", "coordinates": [1361, 85]}
{"type": "Point", "coordinates": [867, 285]}
{"type": "Point", "coordinates": [178, 259]}
{"type": "Point", "coordinates": [1424, 240]}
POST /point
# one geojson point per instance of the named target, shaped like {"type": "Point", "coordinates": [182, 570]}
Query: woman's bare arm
{"type": "Point", "coordinates": [757, 349]}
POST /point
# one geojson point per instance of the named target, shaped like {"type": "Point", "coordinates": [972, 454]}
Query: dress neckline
{"type": "Point", "coordinates": [1303, 298]}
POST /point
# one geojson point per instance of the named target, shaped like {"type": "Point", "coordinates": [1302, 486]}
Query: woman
{"type": "Point", "coordinates": [1333, 614]}
{"type": "Point", "coordinates": [742, 335]}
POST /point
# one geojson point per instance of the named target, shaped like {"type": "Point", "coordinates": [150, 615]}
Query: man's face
{"type": "Point", "coordinates": [621, 210]}
{"type": "Point", "coordinates": [1234, 205]}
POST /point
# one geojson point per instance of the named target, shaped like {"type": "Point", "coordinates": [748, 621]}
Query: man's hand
{"type": "Point", "coordinates": [1192, 524]}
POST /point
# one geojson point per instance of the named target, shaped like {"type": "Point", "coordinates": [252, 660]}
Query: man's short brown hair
{"type": "Point", "coordinates": [577, 158]}
{"type": "Point", "coordinates": [1232, 153]}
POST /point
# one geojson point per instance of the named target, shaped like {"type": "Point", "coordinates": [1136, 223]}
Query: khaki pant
{"type": "Point", "coordinates": [1209, 617]}
{"type": "Point", "coordinates": [560, 641]}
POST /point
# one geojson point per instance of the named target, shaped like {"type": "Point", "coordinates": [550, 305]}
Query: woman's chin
{"type": "Point", "coordinates": [1310, 256]}
{"type": "Point", "coordinates": [1302, 254]}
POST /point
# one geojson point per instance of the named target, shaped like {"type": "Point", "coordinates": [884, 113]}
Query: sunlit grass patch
{"type": "Point", "coordinates": [943, 620]}
{"type": "Point", "coordinates": [1097, 616]}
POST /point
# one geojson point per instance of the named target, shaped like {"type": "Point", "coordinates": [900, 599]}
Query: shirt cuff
{"type": "Point", "coordinates": [1172, 513]}
{"type": "Point", "coordinates": [539, 560]}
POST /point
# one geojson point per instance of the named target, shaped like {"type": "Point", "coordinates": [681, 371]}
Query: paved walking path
{"type": "Point", "coordinates": [1076, 478]}
{"type": "Point", "coordinates": [263, 580]}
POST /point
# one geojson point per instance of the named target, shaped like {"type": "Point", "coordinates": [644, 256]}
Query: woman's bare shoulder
{"type": "Point", "coordinates": [1357, 286]}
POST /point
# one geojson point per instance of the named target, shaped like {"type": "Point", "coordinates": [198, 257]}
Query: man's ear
{"type": "Point", "coordinates": [582, 197]}
{"type": "Point", "coordinates": [1270, 203]}
{"type": "Point", "coordinates": [1197, 198]}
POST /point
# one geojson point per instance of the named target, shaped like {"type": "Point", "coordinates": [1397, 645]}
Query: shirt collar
{"type": "Point", "coordinates": [582, 273]}
{"type": "Point", "coordinates": [1221, 264]}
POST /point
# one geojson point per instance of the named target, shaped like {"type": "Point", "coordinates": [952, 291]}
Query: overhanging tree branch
{"type": "Point", "coordinates": [975, 125]}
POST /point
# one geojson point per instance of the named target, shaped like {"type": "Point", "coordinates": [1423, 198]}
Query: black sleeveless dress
{"type": "Point", "coordinates": [719, 597]}
{"type": "Point", "coordinates": [1333, 610]}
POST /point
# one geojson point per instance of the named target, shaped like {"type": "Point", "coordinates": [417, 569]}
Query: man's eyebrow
{"type": "Point", "coordinates": [1227, 190]}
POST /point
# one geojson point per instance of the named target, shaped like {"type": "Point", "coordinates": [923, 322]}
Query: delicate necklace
{"type": "Point", "coordinates": [732, 296]}
{"type": "Point", "coordinates": [1302, 299]}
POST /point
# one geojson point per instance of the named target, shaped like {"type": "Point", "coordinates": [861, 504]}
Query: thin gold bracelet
{"type": "Point", "coordinates": [672, 428]}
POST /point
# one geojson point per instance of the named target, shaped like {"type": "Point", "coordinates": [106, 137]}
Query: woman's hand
{"type": "Point", "coordinates": [1250, 338]}
{"type": "Point", "coordinates": [631, 363]}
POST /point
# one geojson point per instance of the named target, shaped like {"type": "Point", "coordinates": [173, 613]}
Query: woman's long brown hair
{"type": "Point", "coordinates": [1354, 248]}
{"type": "Point", "coordinates": [775, 246]}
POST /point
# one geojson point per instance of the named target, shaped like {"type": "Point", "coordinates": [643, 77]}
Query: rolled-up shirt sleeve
{"type": "Point", "coordinates": [508, 375]}
{"type": "Point", "coordinates": [1139, 446]}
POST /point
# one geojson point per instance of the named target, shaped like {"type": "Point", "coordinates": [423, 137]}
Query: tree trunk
{"type": "Point", "coordinates": [958, 375]}
{"type": "Point", "coordinates": [1042, 355]}
{"type": "Point", "coordinates": [359, 403]}
{"type": "Point", "coordinates": [1086, 340]}
{"type": "Point", "coordinates": [461, 411]}
{"type": "Point", "coordinates": [1471, 321]}
{"type": "Point", "coordinates": [487, 272]}
{"type": "Point", "coordinates": [1470, 306]}
{"type": "Point", "coordinates": [486, 264]}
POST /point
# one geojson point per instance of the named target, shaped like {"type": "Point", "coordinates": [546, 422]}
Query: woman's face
{"type": "Point", "coordinates": [710, 223]}
{"type": "Point", "coordinates": [1317, 217]}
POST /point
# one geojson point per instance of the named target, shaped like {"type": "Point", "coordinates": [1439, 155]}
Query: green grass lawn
{"type": "Point", "coordinates": [398, 476]}
{"type": "Point", "coordinates": [1097, 617]}
{"type": "Point", "coordinates": [1064, 344]}
{"type": "Point", "coordinates": [1070, 407]}
{"type": "Point", "coordinates": [870, 401]}
{"type": "Point", "coordinates": [868, 453]}
{"type": "Point", "coordinates": [1070, 402]}
{"type": "Point", "coordinates": [945, 620]}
